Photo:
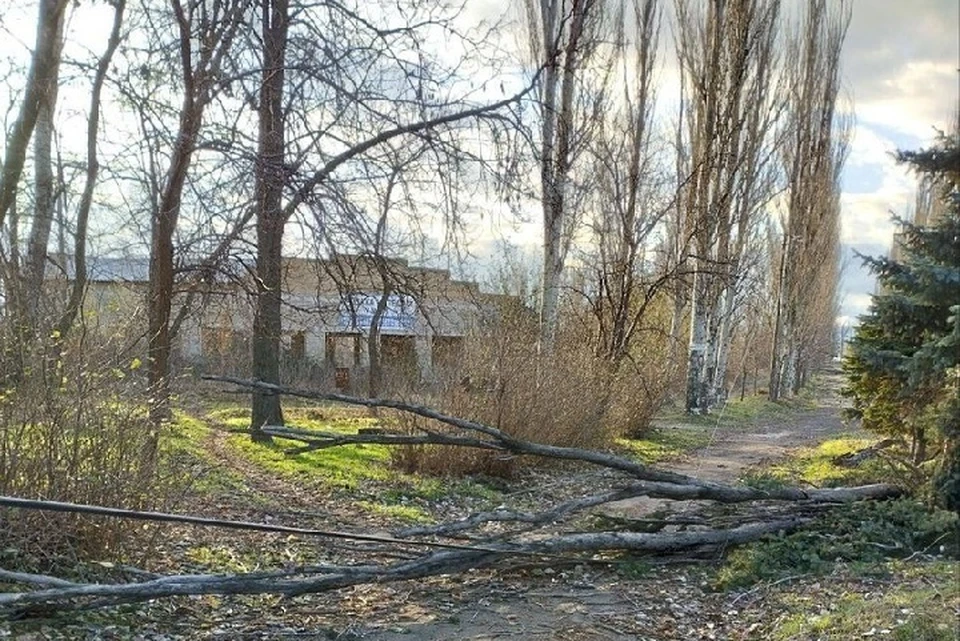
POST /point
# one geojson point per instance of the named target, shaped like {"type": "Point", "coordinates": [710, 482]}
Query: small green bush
{"type": "Point", "coordinates": [865, 532]}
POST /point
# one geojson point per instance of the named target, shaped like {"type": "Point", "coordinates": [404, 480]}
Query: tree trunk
{"type": "Point", "coordinates": [699, 337]}
{"type": "Point", "coordinates": [44, 191]}
{"type": "Point", "coordinates": [724, 340]}
{"type": "Point", "coordinates": [562, 39]}
{"type": "Point", "coordinates": [46, 56]}
{"type": "Point", "coordinates": [375, 367]}
{"type": "Point", "coordinates": [270, 178]}
{"type": "Point", "coordinates": [93, 170]}
{"type": "Point", "coordinates": [161, 259]}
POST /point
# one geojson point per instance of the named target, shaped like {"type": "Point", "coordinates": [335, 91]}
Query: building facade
{"type": "Point", "coordinates": [335, 312]}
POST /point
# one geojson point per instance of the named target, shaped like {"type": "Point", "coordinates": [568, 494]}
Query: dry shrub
{"type": "Point", "coordinates": [73, 427]}
{"type": "Point", "coordinates": [571, 398]}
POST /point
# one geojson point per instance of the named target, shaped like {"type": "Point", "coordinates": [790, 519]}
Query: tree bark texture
{"type": "Point", "coordinates": [271, 218]}
{"type": "Point", "coordinates": [44, 187]}
{"type": "Point", "coordinates": [46, 58]}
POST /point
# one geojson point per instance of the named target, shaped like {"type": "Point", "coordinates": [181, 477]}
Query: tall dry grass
{"type": "Point", "coordinates": [569, 398]}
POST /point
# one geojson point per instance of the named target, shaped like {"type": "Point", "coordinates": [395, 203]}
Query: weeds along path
{"type": "Point", "coordinates": [735, 447]}
{"type": "Point", "coordinates": [251, 488]}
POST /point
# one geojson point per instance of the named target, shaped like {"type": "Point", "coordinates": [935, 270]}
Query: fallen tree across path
{"type": "Point", "coordinates": [518, 533]}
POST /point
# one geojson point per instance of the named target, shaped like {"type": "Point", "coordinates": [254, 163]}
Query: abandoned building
{"type": "Point", "coordinates": [328, 316]}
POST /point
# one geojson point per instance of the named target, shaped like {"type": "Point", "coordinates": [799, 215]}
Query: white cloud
{"type": "Point", "coordinates": [918, 96]}
{"type": "Point", "coordinates": [866, 217]}
{"type": "Point", "coordinates": [855, 305]}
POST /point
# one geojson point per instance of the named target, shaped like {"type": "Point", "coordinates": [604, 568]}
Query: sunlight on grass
{"type": "Point", "coordinates": [342, 467]}
{"type": "Point", "coordinates": [345, 467]}
{"type": "Point", "coordinates": [406, 513]}
{"type": "Point", "coordinates": [738, 412]}
{"type": "Point", "coordinates": [815, 466]}
{"type": "Point", "coordinates": [183, 443]}
{"type": "Point", "coordinates": [920, 607]}
{"type": "Point", "coordinates": [664, 443]}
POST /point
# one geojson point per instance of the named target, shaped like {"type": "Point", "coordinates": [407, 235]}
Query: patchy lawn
{"type": "Point", "coordinates": [815, 466]}
{"type": "Point", "coordinates": [662, 444]}
{"type": "Point", "coordinates": [900, 601]}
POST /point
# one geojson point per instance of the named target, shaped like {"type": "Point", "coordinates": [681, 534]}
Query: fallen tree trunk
{"type": "Point", "coordinates": [500, 440]}
{"type": "Point", "coordinates": [325, 578]}
{"type": "Point", "coordinates": [485, 550]}
{"type": "Point", "coordinates": [677, 486]}
{"type": "Point", "coordinates": [495, 436]}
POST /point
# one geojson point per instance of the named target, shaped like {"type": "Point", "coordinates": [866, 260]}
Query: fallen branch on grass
{"type": "Point", "coordinates": [643, 481]}
{"type": "Point", "coordinates": [495, 437]}
{"type": "Point", "coordinates": [678, 487]}
{"type": "Point", "coordinates": [673, 485]}
{"type": "Point", "coordinates": [323, 579]}
{"type": "Point", "coordinates": [853, 459]}
{"type": "Point", "coordinates": [189, 519]}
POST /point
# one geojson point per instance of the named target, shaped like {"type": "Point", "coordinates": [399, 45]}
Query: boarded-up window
{"type": "Point", "coordinates": [342, 350]}
{"type": "Point", "coordinates": [298, 346]}
{"type": "Point", "coordinates": [398, 356]}
{"type": "Point", "coordinates": [447, 354]}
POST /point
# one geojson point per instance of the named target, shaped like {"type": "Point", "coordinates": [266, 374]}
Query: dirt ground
{"type": "Point", "coordinates": [667, 602]}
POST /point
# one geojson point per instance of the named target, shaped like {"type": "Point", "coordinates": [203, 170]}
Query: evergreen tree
{"type": "Point", "coordinates": [903, 365]}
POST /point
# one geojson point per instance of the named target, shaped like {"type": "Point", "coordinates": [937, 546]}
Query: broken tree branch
{"type": "Point", "coordinates": [58, 594]}
{"type": "Point", "coordinates": [327, 578]}
{"type": "Point", "coordinates": [501, 438]}
{"type": "Point", "coordinates": [97, 510]}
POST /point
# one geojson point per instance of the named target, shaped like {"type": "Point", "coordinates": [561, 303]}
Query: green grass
{"type": "Point", "coordinates": [325, 417]}
{"type": "Point", "coordinates": [183, 445]}
{"type": "Point", "coordinates": [665, 443]}
{"type": "Point", "coordinates": [919, 604]}
{"type": "Point", "coordinates": [398, 512]}
{"type": "Point", "coordinates": [736, 413]}
{"type": "Point", "coordinates": [341, 467]}
{"type": "Point", "coordinates": [344, 467]}
{"type": "Point", "coordinates": [814, 466]}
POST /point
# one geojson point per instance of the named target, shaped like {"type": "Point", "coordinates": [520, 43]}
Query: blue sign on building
{"type": "Point", "coordinates": [357, 313]}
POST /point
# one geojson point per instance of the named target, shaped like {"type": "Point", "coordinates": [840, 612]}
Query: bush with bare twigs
{"type": "Point", "coordinates": [570, 398]}
{"type": "Point", "coordinates": [74, 427]}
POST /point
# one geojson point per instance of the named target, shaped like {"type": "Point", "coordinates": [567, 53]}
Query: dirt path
{"type": "Point", "coordinates": [732, 451]}
{"type": "Point", "coordinates": [620, 598]}
{"type": "Point", "coordinates": [668, 603]}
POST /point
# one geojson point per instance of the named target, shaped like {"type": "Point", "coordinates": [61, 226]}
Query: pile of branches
{"type": "Point", "coordinates": [446, 548]}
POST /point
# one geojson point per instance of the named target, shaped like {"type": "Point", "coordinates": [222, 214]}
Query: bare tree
{"type": "Point", "coordinates": [813, 157]}
{"type": "Point", "coordinates": [627, 202]}
{"type": "Point", "coordinates": [43, 183]}
{"type": "Point", "coordinates": [368, 94]}
{"type": "Point", "coordinates": [45, 59]}
{"type": "Point", "coordinates": [92, 173]}
{"type": "Point", "coordinates": [563, 38]}
{"type": "Point", "coordinates": [205, 36]}
{"type": "Point", "coordinates": [726, 56]}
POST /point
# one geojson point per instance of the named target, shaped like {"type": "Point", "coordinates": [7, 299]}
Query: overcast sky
{"type": "Point", "coordinates": [900, 70]}
{"type": "Point", "coordinates": [900, 67]}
